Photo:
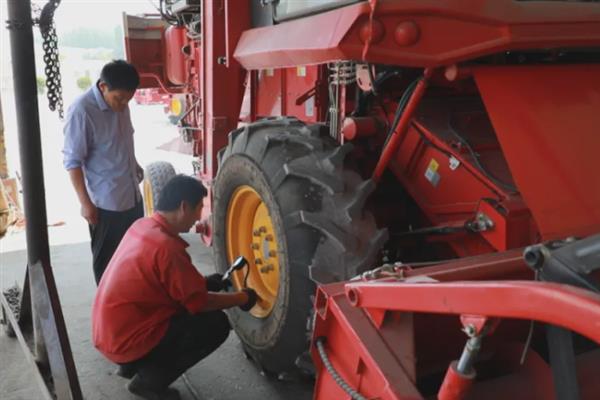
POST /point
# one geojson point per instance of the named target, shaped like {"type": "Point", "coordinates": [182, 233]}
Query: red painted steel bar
{"type": "Point", "coordinates": [156, 78]}
{"type": "Point", "coordinates": [455, 385]}
{"type": "Point", "coordinates": [375, 354]}
{"type": "Point", "coordinates": [477, 28]}
{"type": "Point", "coordinates": [561, 305]}
{"type": "Point", "coordinates": [400, 131]}
{"type": "Point", "coordinates": [506, 265]}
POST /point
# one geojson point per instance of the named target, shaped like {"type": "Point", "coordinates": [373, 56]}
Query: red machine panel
{"type": "Point", "coordinates": [300, 93]}
{"type": "Point", "coordinates": [420, 32]}
{"type": "Point", "coordinates": [451, 163]}
{"type": "Point", "coordinates": [546, 119]}
{"type": "Point", "coordinates": [144, 48]}
{"type": "Point", "coordinates": [395, 357]}
{"type": "Point", "coordinates": [288, 91]}
{"type": "Point", "coordinates": [269, 92]}
{"type": "Point", "coordinates": [177, 69]}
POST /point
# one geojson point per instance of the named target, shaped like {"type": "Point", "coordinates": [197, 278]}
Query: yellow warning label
{"type": "Point", "coordinates": [433, 165]}
{"type": "Point", "coordinates": [432, 174]}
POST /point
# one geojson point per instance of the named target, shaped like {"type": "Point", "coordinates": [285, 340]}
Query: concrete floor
{"type": "Point", "coordinates": [226, 374]}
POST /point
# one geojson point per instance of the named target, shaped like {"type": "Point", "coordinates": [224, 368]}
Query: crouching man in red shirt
{"type": "Point", "coordinates": [154, 314]}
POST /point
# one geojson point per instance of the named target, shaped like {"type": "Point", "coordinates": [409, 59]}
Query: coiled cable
{"type": "Point", "coordinates": [338, 379]}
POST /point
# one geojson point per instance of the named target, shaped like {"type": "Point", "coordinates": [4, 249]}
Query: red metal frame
{"type": "Point", "coordinates": [549, 139]}
{"type": "Point", "coordinates": [560, 305]}
{"type": "Point", "coordinates": [371, 329]}
{"type": "Point", "coordinates": [470, 29]}
{"type": "Point", "coordinates": [152, 96]}
{"type": "Point", "coordinates": [145, 47]}
{"type": "Point", "coordinates": [221, 85]}
{"type": "Point", "coordinates": [400, 131]}
{"type": "Point", "coordinates": [460, 193]}
{"type": "Point", "coordinates": [297, 92]}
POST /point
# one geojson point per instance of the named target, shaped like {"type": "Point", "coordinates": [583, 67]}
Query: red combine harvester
{"type": "Point", "coordinates": [152, 96]}
{"type": "Point", "coordinates": [429, 169]}
{"type": "Point", "coordinates": [172, 102]}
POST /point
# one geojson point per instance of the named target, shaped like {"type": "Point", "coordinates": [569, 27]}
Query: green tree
{"type": "Point", "coordinates": [41, 84]}
{"type": "Point", "coordinates": [119, 40]}
{"type": "Point", "coordinates": [84, 82]}
{"type": "Point", "coordinates": [90, 38]}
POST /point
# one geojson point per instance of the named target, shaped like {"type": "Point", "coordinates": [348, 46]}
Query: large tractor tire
{"type": "Point", "coordinates": [283, 200]}
{"type": "Point", "coordinates": [156, 176]}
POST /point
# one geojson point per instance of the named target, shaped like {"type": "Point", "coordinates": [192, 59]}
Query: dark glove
{"type": "Point", "coordinates": [214, 283]}
{"type": "Point", "coordinates": [139, 172]}
{"type": "Point", "coordinates": [252, 298]}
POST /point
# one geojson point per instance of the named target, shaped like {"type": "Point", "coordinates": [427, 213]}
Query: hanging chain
{"type": "Point", "coordinates": [51, 61]}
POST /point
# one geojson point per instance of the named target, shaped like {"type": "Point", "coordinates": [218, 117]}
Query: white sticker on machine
{"type": "Point", "coordinates": [309, 106]}
{"type": "Point", "coordinates": [432, 174]}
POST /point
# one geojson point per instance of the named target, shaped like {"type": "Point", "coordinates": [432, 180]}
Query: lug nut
{"type": "Point", "coordinates": [272, 253]}
{"type": "Point", "coordinates": [256, 233]}
{"type": "Point", "coordinates": [258, 261]}
{"type": "Point", "coordinates": [269, 238]}
{"type": "Point", "coordinates": [262, 229]}
{"type": "Point", "coordinates": [255, 246]}
{"type": "Point", "coordinates": [266, 269]}
{"type": "Point", "coordinates": [470, 330]}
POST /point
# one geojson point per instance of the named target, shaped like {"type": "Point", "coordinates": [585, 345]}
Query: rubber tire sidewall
{"type": "Point", "coordinates": [263, 333]}
{"type": "Point", "coordinates": [157, 174]}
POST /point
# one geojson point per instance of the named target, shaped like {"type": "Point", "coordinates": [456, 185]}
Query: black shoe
{"type": "Point", "coordinates": [126, 371]}
{"type": "Point", "coordinates": [139, 388]}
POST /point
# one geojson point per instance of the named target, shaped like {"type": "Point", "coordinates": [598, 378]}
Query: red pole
{"type": "Point", "coordinates": [400, 130]}
{"type": "Point", "coordinates": [455, 385]}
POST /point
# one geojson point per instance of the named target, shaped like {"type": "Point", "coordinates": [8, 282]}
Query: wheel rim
{"type": "Point", "coordinates": [148, 198]}
{"type": "Point", "coordinates": [250, 232]}
{"type": "Point", "coordinates": [176, 107]}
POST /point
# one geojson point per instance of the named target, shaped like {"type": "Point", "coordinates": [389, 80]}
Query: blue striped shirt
{"type": "Point", "coordinates": [100, 141]}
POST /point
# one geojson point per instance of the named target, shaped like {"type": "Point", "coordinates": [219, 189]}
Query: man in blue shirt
{"type": "Point", "coordinates": [99, 156]}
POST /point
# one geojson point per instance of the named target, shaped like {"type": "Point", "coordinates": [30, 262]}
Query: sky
{"type": "Point", "coordinates": [99, 14]}
{"type": "Point", "coordinates": [74, 14]}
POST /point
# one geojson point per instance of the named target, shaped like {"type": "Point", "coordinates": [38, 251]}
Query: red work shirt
{"type": "Point", "coordinates": [149, 279]}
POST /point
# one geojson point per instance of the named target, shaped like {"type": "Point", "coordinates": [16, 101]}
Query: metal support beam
{"type": "Point", "coordinates": [14, 322]}
{"type": "Point", "coordinates": [49, 325]}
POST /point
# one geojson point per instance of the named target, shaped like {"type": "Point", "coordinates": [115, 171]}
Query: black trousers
{"type": "Point", "coordinates": [107, 235]}
{"type": "Point", "coordinates": [189, 339]}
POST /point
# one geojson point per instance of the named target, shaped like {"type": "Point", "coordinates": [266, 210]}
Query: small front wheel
{"type": "Point", "coordinates": [156, 176]}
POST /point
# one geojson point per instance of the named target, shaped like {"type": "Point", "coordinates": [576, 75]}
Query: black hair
{"type": "Point", "coordinates": [180, 188]}
{"type": "Point", "coordinates": [120, 75]}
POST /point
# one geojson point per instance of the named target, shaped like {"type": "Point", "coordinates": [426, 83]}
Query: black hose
{"type": "Point", "coordinates": [400, 109]}
{"type": "Point", "coordinates": [246, 277]}
{"type": "Point", "coordinates": [382, 77]}
{"type": "Point", "coordinates": [166, 14]}
{"type": "Point", "coordinates": [477, 162]}
{"type": "Point", "coordinates": [432, 230]}
{"type": "Point", "coordinates": [364, 98]}
{"type": "Point", "coordinates": [338, 379]}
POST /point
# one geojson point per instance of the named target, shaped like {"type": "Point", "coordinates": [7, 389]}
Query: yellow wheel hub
{"type": "Point", "coordinates": [148, 198]}
{"type": "Point", "coordinates": [176, 107]}
{"type": "Point", "coordinates": [250, 233]}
